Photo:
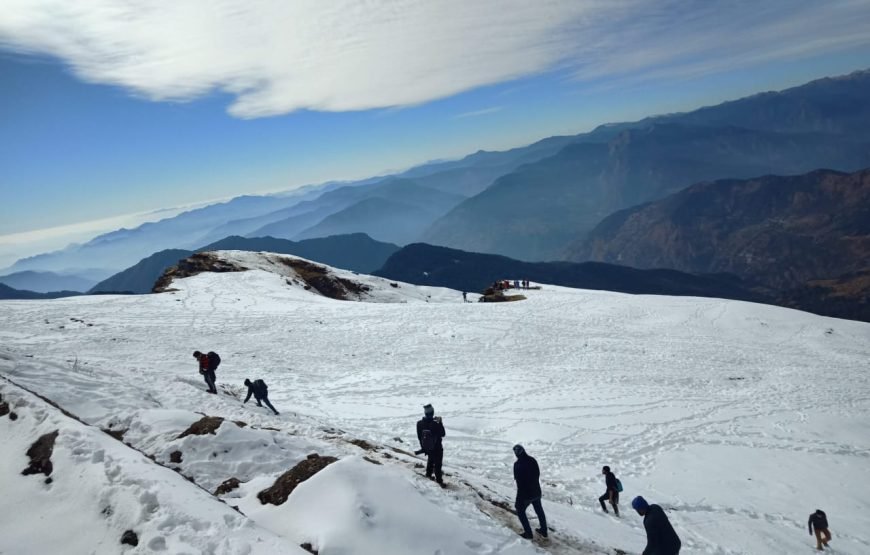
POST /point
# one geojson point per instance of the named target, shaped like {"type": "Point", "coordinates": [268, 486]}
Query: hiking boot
{"type": "Point", "coordinates": [542, 532]}
{"type": "Point", "coordinates": [526, 535]}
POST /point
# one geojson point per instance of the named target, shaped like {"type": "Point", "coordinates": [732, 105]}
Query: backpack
{"type": "Point", "coordinates": [261, 385]}
{"type": "Point", "coordinates": [214, 360]}
{"type": "Point", "coordinates": [618, 486]}
{"type": "Point", "coordinates": [428, 441]}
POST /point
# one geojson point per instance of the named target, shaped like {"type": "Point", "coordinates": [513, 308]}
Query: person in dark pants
{"type": "Point", "coordinates": [207, 365]}
{"type": "Point", "coordinates": [612, 493]}
{"type": "Point", "coordinates": [819, 521]}
{"type": "Point", "coordinates": [260, 391]}
{"type": "Point", "coordinates": [660, 536]}
{"type": "Point", "coordinates": [430, 430]}
{"type": "Point", "coordinates": [527, 476]}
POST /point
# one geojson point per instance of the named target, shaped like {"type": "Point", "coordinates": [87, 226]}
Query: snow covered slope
{"type": "Point", "coordinates": [739, 419]}
{"type": "Point", "coordinates": [281, 277]}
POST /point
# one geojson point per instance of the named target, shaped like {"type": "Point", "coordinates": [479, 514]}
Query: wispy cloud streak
{"type": "Point", "coordinates": [276, 56]}
{"type": "Point", "coordinates": [476, 113]}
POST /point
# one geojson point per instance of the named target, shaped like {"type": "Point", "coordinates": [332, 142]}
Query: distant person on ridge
{"type": "Point", "coordinates": [660, 536]}
{"type": "Point", "coordinates": [612, 493]}
{"type": "Point", "coordinates": [260, 391]}
{"type": "Point", "coordinates": [464, 297]}
{"type": "Point", "coordinates": [527, 476]}
{"type": "Point", "coordinates": [430, 430]}
{"type": "Point", "coordinates": [208, 363]}
{"type": "Point", "coordinates": [819, 521]}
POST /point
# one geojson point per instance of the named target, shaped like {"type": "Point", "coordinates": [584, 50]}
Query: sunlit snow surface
{"type": "Point", "coordinates": [740, 419]}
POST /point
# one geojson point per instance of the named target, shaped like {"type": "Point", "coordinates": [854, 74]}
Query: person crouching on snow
{"type": "Point", "coordinates": [260, 391]}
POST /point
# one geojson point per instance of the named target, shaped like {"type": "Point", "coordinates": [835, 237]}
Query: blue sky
{"type": "Point", "coordinates": [102, 117]}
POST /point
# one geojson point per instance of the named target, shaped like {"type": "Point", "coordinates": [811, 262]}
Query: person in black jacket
{"type": "Point", "coordinates": [660, 536]}
{"type": "Point", "coordinates": [612, 493]}
{"type": "Point", "coordinates": [430, 430]}
{"type": "Point", "coordinates": [207, 365]}
{"type": "Point", "coordinates": [527, 476]}
{"type": "Point", "coordinates": [819, 521]}
{"type": "Point", "coordinates": [260, 391]}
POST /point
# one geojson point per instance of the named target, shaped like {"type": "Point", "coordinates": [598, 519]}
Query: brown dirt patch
{"type": "Point", "coordinates": [501, 298]}
{"type": "Point", "coordinates": [175, 457]}
{"type": "Point", "coordinates": [227, 486]}
{"type": "Point", "coordinates": [203, 426]}
{"type": "Point", "coordinates": [193, 265]}
{"type": "Point", "coordinates": [278, 493]}
{"type": "Point", "coordinates": [40, 455]}
{"type": "Point", "coordinates": [401, 452]}
{"type": "Point", "coordinates": [307, 547]}
{"type": "Point", "coordinates": [4, 408]}
{"type": "Point", "coordinates": [117, 434]}
{"type": "Point", "coordinates": [363, 444]}
{"type": "Point", "coordinates": [373, 461]}
{"type": "Point", "coordinates": [328, 285]}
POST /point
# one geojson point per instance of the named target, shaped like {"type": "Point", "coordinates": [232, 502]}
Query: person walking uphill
{"type": "Point", "coordinates": [819, 521]}
{"type": "Point", "coordinates": [208, 363]}
{"type": "Point", "coordinates": [260, 391]}
{"type": "Point", "coordinates": [430, 430]}
{"type": "Point", "coordinates": [527, 475]}
{"type": "Point", "coordinates": [660, 536]}
{"type": "Point", "coordinates": [612, 493]}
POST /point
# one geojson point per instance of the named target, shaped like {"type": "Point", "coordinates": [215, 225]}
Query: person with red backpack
{"type": "Point", "coordinates": [208, 363]}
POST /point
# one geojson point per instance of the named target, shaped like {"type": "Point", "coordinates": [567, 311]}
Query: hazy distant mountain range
{"type": "Point", "coordinates": [618, 193]}
{"type": "Point", "coordinates": [777, 231]}
{"type": "Point", "coordinates": [45, 282]}
{"type": "Point", "coordinates": [7, 292]}
{"type": "Point", "coordinates": [537, 211]}
{"type": "Point", "coordinates": [424, 264]}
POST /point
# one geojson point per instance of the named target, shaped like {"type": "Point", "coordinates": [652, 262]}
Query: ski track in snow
{"type": "Point", "coordinates": [739, 419]}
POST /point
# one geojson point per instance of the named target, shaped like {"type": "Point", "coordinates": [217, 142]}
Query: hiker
{"type": "Point", "coordinates": [612, 492]}
{"type": "Point", "coordinates": [660, 536]}
{"type": "Point", "coordinates": [464, 297]}
{"type": "Point", "coordinates": [430, 430]}
{"type": "Point", "coordinates": [208, 363]}
{"type": "Point", "coordinates": [527, 475]}
{"type": "Point", "coordinates": [260, 391]}
{"type": "Point", "coordinates": [819, 521]}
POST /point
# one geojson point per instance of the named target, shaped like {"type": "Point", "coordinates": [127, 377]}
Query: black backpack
{"type": "Point", "coordinates": [428, 440]}
{"type": "Point", "coordinates": [260, 385]}
{"type": "Point", "coordinates": [214, 360]}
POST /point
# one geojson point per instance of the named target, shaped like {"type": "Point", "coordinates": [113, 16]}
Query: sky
{"type": "Point", "coordinates": [113, 113]}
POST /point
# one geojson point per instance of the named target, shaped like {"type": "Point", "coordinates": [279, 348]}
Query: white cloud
{"type": "Point", "coordinates": [277, 56]}
{"type": "Point", "coordinates": [481, 112]}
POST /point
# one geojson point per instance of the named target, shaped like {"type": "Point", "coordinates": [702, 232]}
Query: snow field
{"type": "Point", "coordinates": [739, 419]}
